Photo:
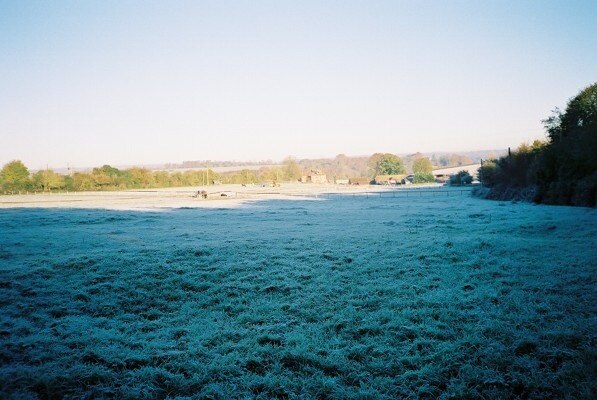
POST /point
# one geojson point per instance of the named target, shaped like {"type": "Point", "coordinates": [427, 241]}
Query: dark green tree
{"type": "Point", "coordinates": [391, 164]}
{"type": "Point", "coordinates": [579, 117]}
{"type": "Point", "coordinates": [386, 164]}
{"type": "Point", "coordinates": [561, 171]}
{"type": "Point", "coordinates": [461, 178]}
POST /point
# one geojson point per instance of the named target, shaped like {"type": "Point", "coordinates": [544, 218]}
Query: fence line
{"type": "Point", "coordinates": [403, 193]}
{"type": "Point", "coordinates": [227, 194]}
{"type": "Point", "coordinates": [366, 195]}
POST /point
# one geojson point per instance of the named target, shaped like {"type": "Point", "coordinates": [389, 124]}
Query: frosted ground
{"type": "Point", "coordinates": [168, 198]}
{"type": "Point", "coordinates": [427, 296]}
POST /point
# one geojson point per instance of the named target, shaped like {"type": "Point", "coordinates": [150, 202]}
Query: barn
{"type": "Point", "coordinates": [443, 174]}
{"type": "Point", "coordinates": [359, 181]}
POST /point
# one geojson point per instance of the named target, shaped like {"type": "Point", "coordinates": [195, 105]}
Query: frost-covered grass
{"type": "Point", "coordinates": [425, 297]}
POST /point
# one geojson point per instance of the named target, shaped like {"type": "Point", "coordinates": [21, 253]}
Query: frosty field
{"type": "Point", "coordinates": [341, 297]}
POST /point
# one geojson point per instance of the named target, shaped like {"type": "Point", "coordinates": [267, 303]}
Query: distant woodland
{"type": "Point", "coordinates": [16, 177]}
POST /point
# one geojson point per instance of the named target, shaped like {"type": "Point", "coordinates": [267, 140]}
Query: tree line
{"type": "Point", "coordinates": [16, 177]}
{"type": "Point", "coordinates": [391, 164]}
{"type": "Point", "coordinates": [559, 170]}
{"type": "Point", "coordinates": [418, 164]}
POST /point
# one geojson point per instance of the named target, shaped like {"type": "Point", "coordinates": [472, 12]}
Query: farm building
{"type": "Point", "coordinates": [359, 181]}
{"type": "Point", "coordinates": [390, 179]}
{"type": "Point", "coordinates": [443, 174]}
{"type": "Point", "coordinates": [314, 177]}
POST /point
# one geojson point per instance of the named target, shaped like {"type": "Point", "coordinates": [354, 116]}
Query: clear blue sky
{"type": "Point", "coordinates": [133, 82]}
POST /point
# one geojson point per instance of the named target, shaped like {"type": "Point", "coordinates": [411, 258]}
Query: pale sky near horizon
{"type": "Point", "coordinates": [139, 82]}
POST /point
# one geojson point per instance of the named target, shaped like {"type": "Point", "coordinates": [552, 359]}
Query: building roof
{"type": "Point", "coordinates": [360, 180]}
{"type": "Point", "coordinates": [471, 169]}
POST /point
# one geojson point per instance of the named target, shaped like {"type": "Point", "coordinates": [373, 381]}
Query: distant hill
{"type": "Point", "coordinates": [476, 156]}
{"type": "Point", "coordinates": [340, 166]}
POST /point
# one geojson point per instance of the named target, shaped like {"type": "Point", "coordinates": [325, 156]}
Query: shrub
{"type": "Point", "coordinates": [488, 173]}
{"type": "Point", "coordinates": [423, 178]}
{"type": "Point", "coordinates": [461, 178]}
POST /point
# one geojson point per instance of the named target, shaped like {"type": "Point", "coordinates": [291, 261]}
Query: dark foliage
{"type": "Point", "coordinates": [461, 178]}
{"type": "Point", "coordinates": [563, 170]}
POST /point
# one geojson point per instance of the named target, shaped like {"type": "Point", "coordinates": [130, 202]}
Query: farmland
{"type": "Point", "coordinates": [297, 297]}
